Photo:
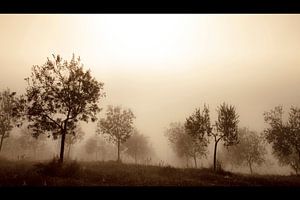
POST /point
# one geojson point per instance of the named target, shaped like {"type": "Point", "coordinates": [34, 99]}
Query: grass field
{"type": "Point", "coordinates": [25, 173]}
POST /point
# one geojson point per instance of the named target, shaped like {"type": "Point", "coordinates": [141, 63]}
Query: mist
{"type": "Point", "coordinates": [163, 67]}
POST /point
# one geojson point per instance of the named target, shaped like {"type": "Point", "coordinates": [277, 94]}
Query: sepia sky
{"type": "Point", "coordinates": [164, 66]}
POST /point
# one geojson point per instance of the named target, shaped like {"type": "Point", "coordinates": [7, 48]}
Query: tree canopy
{"type": "Point", "coordinates": [249, 151]}
{"type": "Point", "coordinates": [284, 136]}
{"type": "Point", "coordinates": [117, 126]}
{"type": "Point", "coordinates": [59, 94]}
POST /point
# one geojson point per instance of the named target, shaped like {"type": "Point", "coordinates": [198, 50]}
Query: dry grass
{"type": "Point", "coordinates": [118, 174]}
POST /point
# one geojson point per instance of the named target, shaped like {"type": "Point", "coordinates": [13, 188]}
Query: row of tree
{"type": "Point", "coordinates": [242, 146]}
{"type": "Point", "coordinates": [58, 96]}
{"type": "Point", "coordinates": [192, 138]}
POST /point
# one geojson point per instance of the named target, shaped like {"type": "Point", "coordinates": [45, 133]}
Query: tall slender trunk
{"type": "Point", "coordinates": [250, 167]}
{"type": "Point", "coordinates": [215, 154]}
{"type": "Point", "coordinates": [62, 146]}
{"type": "Point", "coordinates": [119, 151]}
{"type": "Point", "coordinates": [195, 160]}
{"type": "Point", "coordinates": [187, 161]}
{"type": "Point", "coordinates": [2, 138]}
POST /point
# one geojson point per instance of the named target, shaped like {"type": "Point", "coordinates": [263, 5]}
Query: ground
{"type": "Point", "coordinates": [26, 173]}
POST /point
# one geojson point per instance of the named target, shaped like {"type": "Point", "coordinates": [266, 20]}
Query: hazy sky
{"type": "Point", "coordinates": [164, 66]}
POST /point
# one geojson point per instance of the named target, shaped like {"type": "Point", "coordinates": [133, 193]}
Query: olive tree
{"type": "Point", "coordinates": [197, 126]}
{"type": "Point", "coordinates": [59, 94]}
{"type": "Point", "coordinates": [249, 151]}
{"type": "Point", "coordinates": [138, 146]}
{"type": "Point", "coordinates": [184, 145]}
{"type": "Point", "coordinates": [9, 115]}
{"type": "Point", "coordinates": [226, 128]}
{"type": "Point", "coordinates": [284, 136]}
{"type": "Point", "coordinates": [117, 126]}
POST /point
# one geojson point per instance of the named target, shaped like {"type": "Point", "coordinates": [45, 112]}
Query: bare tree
{"type": "Point", "coordinates": [59, 94]}
{"type": "Point", "coordinates": [117, 126]}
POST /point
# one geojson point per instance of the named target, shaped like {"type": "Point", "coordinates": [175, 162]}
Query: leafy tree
{"type": "Point", "coordinates": [197, 126]}
{"type": "Point", "coordinates": [73, 138]}
{"type": "Point", "coordinates": [249, 151]}
{"type": "Point", "coordinates": [138, 146]}
{"type": "Point", "coordinates": [184, 145]}
{"type": "Point", "coordinates": [226, 128]}
{"type": "Point", "coordinates": [284, 136]}
{"type": "Point", "coordinates": [9, 115]}
{"type": "Point", "coordinates": [117, 126]}
{"type": "Point", "coordinates": [59, 94]}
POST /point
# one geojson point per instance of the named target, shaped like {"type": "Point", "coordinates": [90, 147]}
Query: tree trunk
{"type": "Point", "coordinates": [2, 138]}
{"type": "Point", "coordinates": [250, 166]}
{"type": "Point", "coordinates": [187, 161]}
{"type": "Point", "coordinates": [62, 146]}
{"type": "Point", "coordinates": [195, 160]}
{"type": "Point", "coordinates": [215, 154]}
{"type": "Point", "coordinates": [119, 151]}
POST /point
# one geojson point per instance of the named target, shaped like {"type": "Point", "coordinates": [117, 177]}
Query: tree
{"type": "Point", "coordinates": [249, 151]}
{"type": "Point", "coordinates": [284, 136]}
{"type": "Point", "coordinates": [197, 126]}
{"type": "Point", "coordinates": [117, 126]}
{"type": "Point", "coordinates": [183, 144]}
{"type": "Point", "coordinates": [73, 138]}
{"type": "Point", "coordinates": [28, 142]}
{"type": "Point", "coordinates": [59, 94]}
{"type": "Point", "coordinates": [226, 128]}
{"type": "Point", "coordinates": [91, 146]}
{"type": "Point", "coordinates": [9, 115]}
{"type": "Point", "coordinates": [137, 146]}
